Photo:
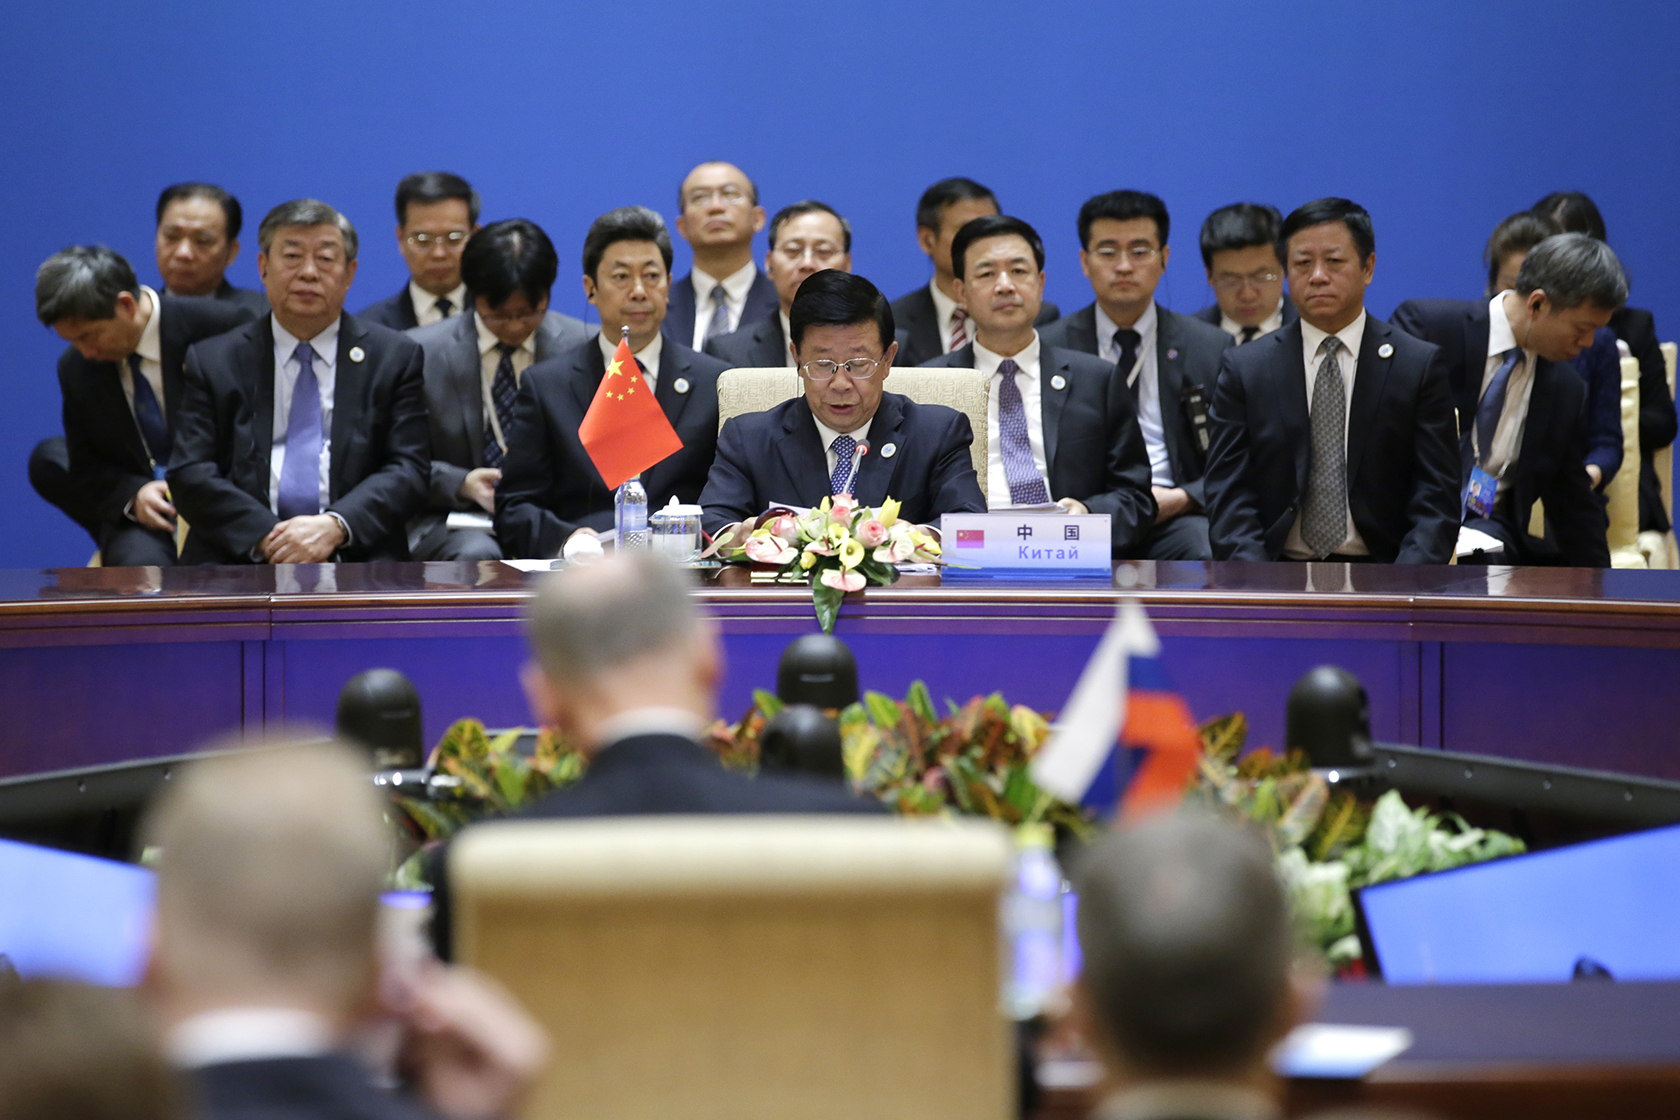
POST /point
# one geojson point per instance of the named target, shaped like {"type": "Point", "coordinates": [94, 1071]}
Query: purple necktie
{"type": "Point", "coordinates": [1026, 485]}
{"type": "Point", "coordinates": [300, 468]}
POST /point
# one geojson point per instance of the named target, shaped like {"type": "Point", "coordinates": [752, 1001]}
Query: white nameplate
{"type": "Point", "coordinates": [1016, 544]}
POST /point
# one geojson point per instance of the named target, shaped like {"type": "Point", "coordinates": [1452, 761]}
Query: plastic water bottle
{"type": "Point", "coordinates": [630, 515]}
{"type": "Point", "coordinates": [1032, 922]}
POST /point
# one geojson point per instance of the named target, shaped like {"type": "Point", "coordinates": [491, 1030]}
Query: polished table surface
{"type": "Point", "coordinates": [1564, 665]}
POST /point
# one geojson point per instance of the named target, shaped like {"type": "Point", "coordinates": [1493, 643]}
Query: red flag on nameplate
{"type": "Point", "coordinates": [625, 431]}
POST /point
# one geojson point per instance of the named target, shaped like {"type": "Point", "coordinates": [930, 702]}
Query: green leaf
{"type": "Point", "coordinates": [826, 600]}
{"type": "Point", "coordinates": [504, 742]}
{"type": "Point", "coordinates": [883, 709]}
{"type": "Point", "coordinates": [919, 702]}
{"type": "Point", "coordinates": [767, 702]}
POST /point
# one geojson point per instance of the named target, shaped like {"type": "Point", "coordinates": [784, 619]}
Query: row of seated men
{"type": "Point", "coordinates": [1199, 435]}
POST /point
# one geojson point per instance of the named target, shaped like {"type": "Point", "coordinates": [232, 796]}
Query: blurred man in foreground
{"type": "Point", "coordinates": [1189, 976]}
{"type": "Point", "coordinates": [264, 969]}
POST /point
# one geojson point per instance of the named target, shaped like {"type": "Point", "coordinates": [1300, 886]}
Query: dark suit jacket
{"type": "Point", "coordinates": [1402, 450]}
{"type": "Point", "coordinates": [1657, 423]}
{"type": "Point", "coordinates": [1186, 353]}
{"type": "Point", "coordinates": [656, 775]}
{"type": "Point", "coordinates": [1213, 316]}
{"type": "Point", "coordinates": [251, 298]}
{"type": "Point", "coordinates": [550, 487]}
{"type": "Point", "coordinates": [455, 395]}
{"type": "Point", "coordinates": [762, 303]}
{"type": "Point", "coordinates": [1092, 444]}
{"type": "Point", "coordinates": [777, 456]}
{"type": "Point", "coordinates": [915, 314]}
{"type": "Point", "coordinates": [763, 345]}
{"type": "Point", "coordinates": [1550, 463]}
{"type": "Point", "coordinates": [331, 1087]}
{"type": "Point", "coordinates": [381, 448]}
{"type": "Point", "coordinates": [108, 459]}
{"type": "Point", "coordinates": [1600, 366]}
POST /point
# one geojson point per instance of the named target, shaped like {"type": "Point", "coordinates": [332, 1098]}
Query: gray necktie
{"type": "Point", "coordinates": [1324, 516]}
{"type": "Point", "coordinates": [719, 326]}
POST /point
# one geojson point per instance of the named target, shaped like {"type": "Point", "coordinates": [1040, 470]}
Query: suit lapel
{"type": "Point", "coordinates": [1291, 394]}
{"type": "Point", "coordinates": [173, 354]}
{"type": "Point", "coordinates": [259, 356]}
{"type": "Point", "coordinates": [803, 459]}
{"type": "Point", "coordinates": [1478, 325]}
{"type": "Point", "coordinates": [1082, 330]}
{"type": "Point", "coordinates": [1051, 400]}
{"type": "Point", "coordinates": [467, 373]}
{"type": "Point", "coordinates": [589, 370]}
{"type": "Point", "coordinates": [874, 476]}
{"type": "Point", "coordinates": [1370, 376]}
{"type": "Point", "coordinates": [761, 300]}
{"type": "Point", "coordinates": [1169, 379]}
{"type": "Point", "coordinates": [349, 388]}
{"type": "Point", "coordinates": [924, 325]}
{"type": "Point", "coordinates": [679, 315]}
{"type": "Point", "coordinates": [674, 367]}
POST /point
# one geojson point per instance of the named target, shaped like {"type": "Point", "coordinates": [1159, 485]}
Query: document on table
{"type": "Point", "coordinates": [460, 520]}
{"type": "Point", "coordinates": [1474, 540]}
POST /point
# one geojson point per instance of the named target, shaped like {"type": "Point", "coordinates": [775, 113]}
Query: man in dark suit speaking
{"type": "Point", "coordinates": [1522, 406]}
{"type": "Point", "coordinates": [846, 435]}
{"type": "Point", "coordinates": [550, 490]}
{"type": "Point", "coordinates": [1333, 438]}
{"type": "Point", "coordinates": [121, 380]}
{"type": "Point", "coordinates": [1060, 425]}
{"type": "Point", "coordinates": [302, 436]}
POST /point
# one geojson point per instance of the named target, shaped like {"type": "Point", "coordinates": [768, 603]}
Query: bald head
{"type": "Point", "coordinates": [269, 878]}
{"type": "Point", "coordinates": [1187, 945]}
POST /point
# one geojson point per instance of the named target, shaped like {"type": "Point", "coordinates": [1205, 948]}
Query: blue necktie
{"type": "Point", "coordinates": [1026, 485]}
{"type": "Point", "coordinates": [149, 414]}
{"type": "Point", "coordinates": [843, 447]}
{"type": "Point", "coordinates": [300, 468]}
{"type": "Point", "coordinates": [1493, 403]}
{"type": "Point", "coordinates": [504, 390]}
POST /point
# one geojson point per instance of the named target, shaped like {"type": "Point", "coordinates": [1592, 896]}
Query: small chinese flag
{"type": "Point", "coordinates": [625, 430]}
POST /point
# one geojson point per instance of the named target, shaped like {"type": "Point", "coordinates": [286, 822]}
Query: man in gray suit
{"type": "Point", "coordinates": [474, 363]}
{"type": "Point", "coordinates": [1166, 363]}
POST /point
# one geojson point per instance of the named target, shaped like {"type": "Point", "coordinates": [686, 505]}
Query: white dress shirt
{"type": "Point", "coordinates": [828, 435]}
{"type": "Point", "coordinates": [490, 359]}
{"type": "Point", "coordinates": [735, 288]}
{"type": "Point", "coordinates": [945, 308]}
{"type": "Point", "coordinates": [426, 310]}
{"type": "Point", "coordinates": [647, 355]}
{"type": "Point", "coordinates": [150, 350]}
{"type": "Point", "coordinates": [1146, 375]}
{"type": "Point", "coordinates": [1347, 361]}
{"type": "Point", "coordinates": [1267, 325]}
{"type": "Point", "coordinates": [787, 340]}
{"type": "Point", "coordinates": [653, 720]}
{"type": "Point", "coordinates": [1508, 433]}
{"type": "Point", "coordinates": [1032, 400]}
{"type": "Point", "coordinates": [286, 369]}
{"type": "Point", "coordinates": [246, 1034]}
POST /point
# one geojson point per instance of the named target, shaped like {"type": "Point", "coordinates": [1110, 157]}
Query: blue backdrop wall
{"type": "Point", "coordinates": [1441, 116]}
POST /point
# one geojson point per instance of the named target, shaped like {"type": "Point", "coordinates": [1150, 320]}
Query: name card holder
{"type": "Point", "coordinates": [1006, 545]}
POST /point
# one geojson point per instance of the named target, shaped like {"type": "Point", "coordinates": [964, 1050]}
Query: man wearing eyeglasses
{"type": "Point", "coordinates": [1165, 362]}
{"type": "Point", "coordinates": [550, 490]}
{"type": "Point", "coordinates": [474, 363]}
{"type": "Point", "coordinates": [718, 215]}
{"type": "Point", "coordinates": [436, 213]}
{"type": "Point", "coordinates": [1240, 253]}
{"type": "Point", "coordinates": [805, 238]}
{"type": "Point", "coordinates": [846, 434]}
{"type": "Point", "coordinates": [1334, 438]}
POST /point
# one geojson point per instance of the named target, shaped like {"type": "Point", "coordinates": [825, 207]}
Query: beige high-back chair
{"type": "Point", "coordinates": [1622, 495]}
{"type": "Point", "coordinates": [748, 968]}
{"type": "Point", "coordinates": [968, 391]}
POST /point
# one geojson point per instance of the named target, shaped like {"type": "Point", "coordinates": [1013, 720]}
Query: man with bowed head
{"type": "Point", "coordinates": [845, 434]}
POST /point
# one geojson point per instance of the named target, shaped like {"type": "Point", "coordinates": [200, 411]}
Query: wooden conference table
{"type": "Point", "coordinates": [99, 665]}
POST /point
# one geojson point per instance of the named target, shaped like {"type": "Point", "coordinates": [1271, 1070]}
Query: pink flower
{"type": "Point", "coordinates": [844, 506]}
{"type": "Point", "coordinates": [785, 528]}
{"type": "Point", "coordinates": [769, 550]}
{"type": "Point", "coordinates": [895, 551]}
{"type": "Point", "coordinates": [842, 580]}
{"type": "Point", "coordinates": [871, 533]}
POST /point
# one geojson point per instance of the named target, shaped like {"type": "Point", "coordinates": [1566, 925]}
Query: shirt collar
{"type": "Point", "coordinates": [150, 348]}
{"type": "Point", "coordinates": [649, 721]}
{"type": "Point", "coordinates": [1351, 335]}
{"type": "Point", "coordinates": [424, 301]}
{"type": "Point", "coordinates": [244, 1034]}
{"type": "Point", "coordinates": [987, 362]}
{"type": "Point", "coordinates": [649, 354]}
{"type": "Point", "coordinates": [943, 306]}
{"type": "Point", "coordinates": [1500, 336]}
{"type": "Point", "coordinates": [1211, 1099]}
{"type": "Point", "coordinates": [735, 285]}
{"type": "Point", "coordinates": [324, 344]}
{"type": "Point", "coordinates": [488, 341]}
{"type": "Point", "coordinates": [1266, 326]}
{"type": "Point", "coordinates": [1145, 326]}
{"type": "Point", "coordinates": [828, 435]}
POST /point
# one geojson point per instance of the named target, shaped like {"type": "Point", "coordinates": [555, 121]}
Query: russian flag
{"type": "Point", "coordinates": [1125, 738]}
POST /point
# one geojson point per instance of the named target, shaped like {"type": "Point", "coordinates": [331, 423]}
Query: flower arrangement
{"type": "Point", "coordinates": [839, 547]}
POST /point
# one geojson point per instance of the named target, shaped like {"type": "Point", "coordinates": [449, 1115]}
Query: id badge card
{"type": "Point", "coordinates": [158, 472]}
{"type": "Point", "coordinates": [1479, 492]}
